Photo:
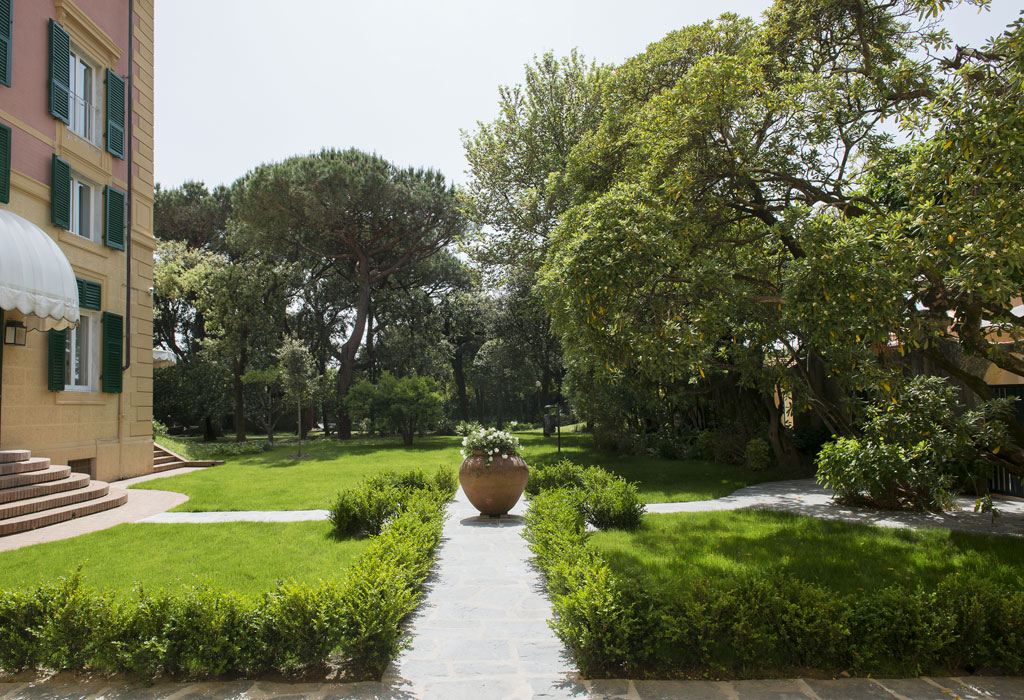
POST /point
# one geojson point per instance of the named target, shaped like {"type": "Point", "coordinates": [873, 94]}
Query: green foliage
{"type": "Point", "coordinates": [368, 507]}
{"type": "Point", "coordinates": [758, 455]}
{"type": "Point", "coordinates": [405, 404]}
{"type": "Point", "coordinates": [603, 499]}
{"type": "Point", "coordinates": [302, 209]}
{"type": "Point", "coordinates": [564, 473]}
{"type": "Point", "coordinates": [464, 428]}
{"type": "Point", "coordinates": [511, 159]}
{"type": "Point", "coordinates": [195, 390]}
{"type": "Point", "coordinates": [200, 632]}
{"type": "Point", "coordinates": [721, 447]}
{"type": "Point", "coordinates": [610, 501]}
{"type": "Point", "coordinates": [915, 447]}
{"type": "Point", "coordinates": [757, 623]}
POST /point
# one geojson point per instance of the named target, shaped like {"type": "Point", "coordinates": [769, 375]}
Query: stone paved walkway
{"type": "Point", "coordinates": [482, 631]}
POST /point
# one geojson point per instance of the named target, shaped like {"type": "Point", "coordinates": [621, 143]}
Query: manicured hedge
{"type": "Point", "coordinates": [366, 508]}
{"type": "Point", "coordinates": [198, 631]}
{"type": "Point", "coordinates": [604, 500]}
{"type": "Point", "coordinates": [762, 623]}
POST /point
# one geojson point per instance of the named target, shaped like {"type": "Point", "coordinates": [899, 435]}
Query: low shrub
{"type": "Point", "coordinates": [198, 631]}
{"type": "Point", "coordinates": [557, 475]}
{"type": "Point", "coordinates": [606, 500]}
{"type": "Point", "coordinates": [610, 501]}
{"type": "Point", "coordinates": [916, 444]}
{"type": "Point", "coordinates": [758, 455]}
{"type": "Point", "coordinates": [377, 499]}
{"type": "Point", "coordinates": [758, 623]}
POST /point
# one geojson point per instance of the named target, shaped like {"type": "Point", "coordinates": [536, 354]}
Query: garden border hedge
{"type": "Point", "coordinates": [198, 631]}
{"type": "Point", "coordinates": [762, 626]}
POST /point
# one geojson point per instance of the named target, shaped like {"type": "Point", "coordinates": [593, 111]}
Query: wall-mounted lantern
{"type": "Point", "coordinates": [15, 333]}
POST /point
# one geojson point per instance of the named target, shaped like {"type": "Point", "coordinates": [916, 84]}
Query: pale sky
{"type": "Point", "coordinates": [243, 82]}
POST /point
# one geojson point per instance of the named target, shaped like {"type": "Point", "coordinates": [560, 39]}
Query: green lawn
{"type": "Point", "coordinates": [658, 480]}
{"type": "Point", "coordinates": [271, 481]}
{"type": "Point", "coordinates": [840, 556]}
{"type": "Point", "coordinates": [241, 557]}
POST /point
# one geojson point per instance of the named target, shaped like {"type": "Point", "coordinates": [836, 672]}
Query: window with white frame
{"type": "Point", "coordinates": [85, 207]}
{"type": "Point", "coordinates": [80, 357]}
{"type": "Point", "coordinates": [84, 112]}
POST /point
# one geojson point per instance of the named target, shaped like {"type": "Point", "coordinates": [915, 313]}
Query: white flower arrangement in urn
{"type": "Point", "coordinates": [490, 442]}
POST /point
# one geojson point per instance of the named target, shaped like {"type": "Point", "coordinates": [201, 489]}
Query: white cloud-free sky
{"type": "Point", "coordinates": [243, 82]}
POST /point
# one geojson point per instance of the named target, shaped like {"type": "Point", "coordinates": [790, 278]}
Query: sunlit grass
{"type": "Point", "coordinates": [241, 557]}
{"type": "Point", "coordinates": [671, 549]}
{"type": "Point", "coordinates": [271, 480]}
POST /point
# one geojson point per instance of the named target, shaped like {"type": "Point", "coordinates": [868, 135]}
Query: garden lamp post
{"type": "Point", "coordinates": [558, 424]}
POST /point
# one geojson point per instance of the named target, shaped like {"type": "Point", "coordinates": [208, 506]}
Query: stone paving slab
{"type": "Point", "coordinates": [239, 516]}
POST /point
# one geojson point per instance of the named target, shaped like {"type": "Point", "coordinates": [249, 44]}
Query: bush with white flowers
{"type": "Point", "coordinates": [491, 442]}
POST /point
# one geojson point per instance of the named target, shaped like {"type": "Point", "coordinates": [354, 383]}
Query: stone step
{"type": "Point", "coordinates": [92, 490]}
{"type": "Point", "coordinates": [51, 473]}
{"type": "Point", "coordinates": [29, 464]}
{"type": "Point", "coordinates": [22, 523]}
{"type": "Point", "coordinates": [20, 493]}
{"type": "Point", "coordinates": [157, 468]}
{"type": "Point", "coordinates": [14, 455]}
{"type": "Point", "coordinates": [164, 458]}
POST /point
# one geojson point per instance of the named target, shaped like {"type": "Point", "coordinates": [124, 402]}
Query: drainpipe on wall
{"type": "Point", "coordinates": [128, 233]}
{"type": "Point", "coordinates": [130, 149]}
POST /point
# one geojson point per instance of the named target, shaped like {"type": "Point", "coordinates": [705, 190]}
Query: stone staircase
{"type": "Point", "coordinates": [164, 459]}
{"type": "Point", "coordinates": [35, 493]}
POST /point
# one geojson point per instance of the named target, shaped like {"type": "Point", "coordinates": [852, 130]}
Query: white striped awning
{"type": "Point", "coordinates": [35, 275]}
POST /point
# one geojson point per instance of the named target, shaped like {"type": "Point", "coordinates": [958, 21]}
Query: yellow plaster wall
{"type": "Point", "coordinates": [115, 430]}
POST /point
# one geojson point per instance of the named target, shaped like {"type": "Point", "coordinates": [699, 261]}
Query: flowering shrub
{"type": "Point", "coordinates": [491, 442]}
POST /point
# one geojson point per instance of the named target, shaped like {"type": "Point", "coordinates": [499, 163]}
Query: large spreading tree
{"type": "Point", "coordinates": [355, 216]}
{"type": "Point", "coordinates": [717, 209]}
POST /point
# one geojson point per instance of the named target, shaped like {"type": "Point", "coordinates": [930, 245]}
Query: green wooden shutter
{"type": "Point", "coordinates": [60, 73]}
{"type": "Point", "coordinates": [110, 375]}
{"type": "Point", "coordinates": [60, 193]}
{"type": "Point", "coordinates": [6, 34]}
{"type": "Point", "coordinates": [88, 294]}
{"type": "Point", "coordinates": [113, 217]}
{"type": "Point", "coordinates": [115, 114]}
{"type": "Point", "coordinates": [55, 362]}
{"type": "Point", "coordinates": [5, 163]}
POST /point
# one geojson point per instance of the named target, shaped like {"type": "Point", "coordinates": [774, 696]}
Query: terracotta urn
{"type": "Point", "coordinates": [493, 488]}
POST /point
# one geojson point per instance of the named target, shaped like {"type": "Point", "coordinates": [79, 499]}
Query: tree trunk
{"type": "Point", "coordinates": [545, 396]}
{"type": "Point", "coordinates": [237, 370]}
{"type": "Point", "coordinates": [209, 430]}
{"type": "Point", "coordinates": [371, 355]}
{"type": "Point", "coordinates": [786, 454]}
{"type": "Point", "coordinates": [348, 353]}
{"type": "Point", "coordinates": [479, 405]}
{"type": "Point", "coordinates": [501, 409]}
{"type": "Point", "coordinates": [298, 425]}
{"type": "Point", "coordinates": [307, 419]}
{"type": "Point", "coordinates": [459, 374]}
{"type": "Point", "coordinates": [407, 436]}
